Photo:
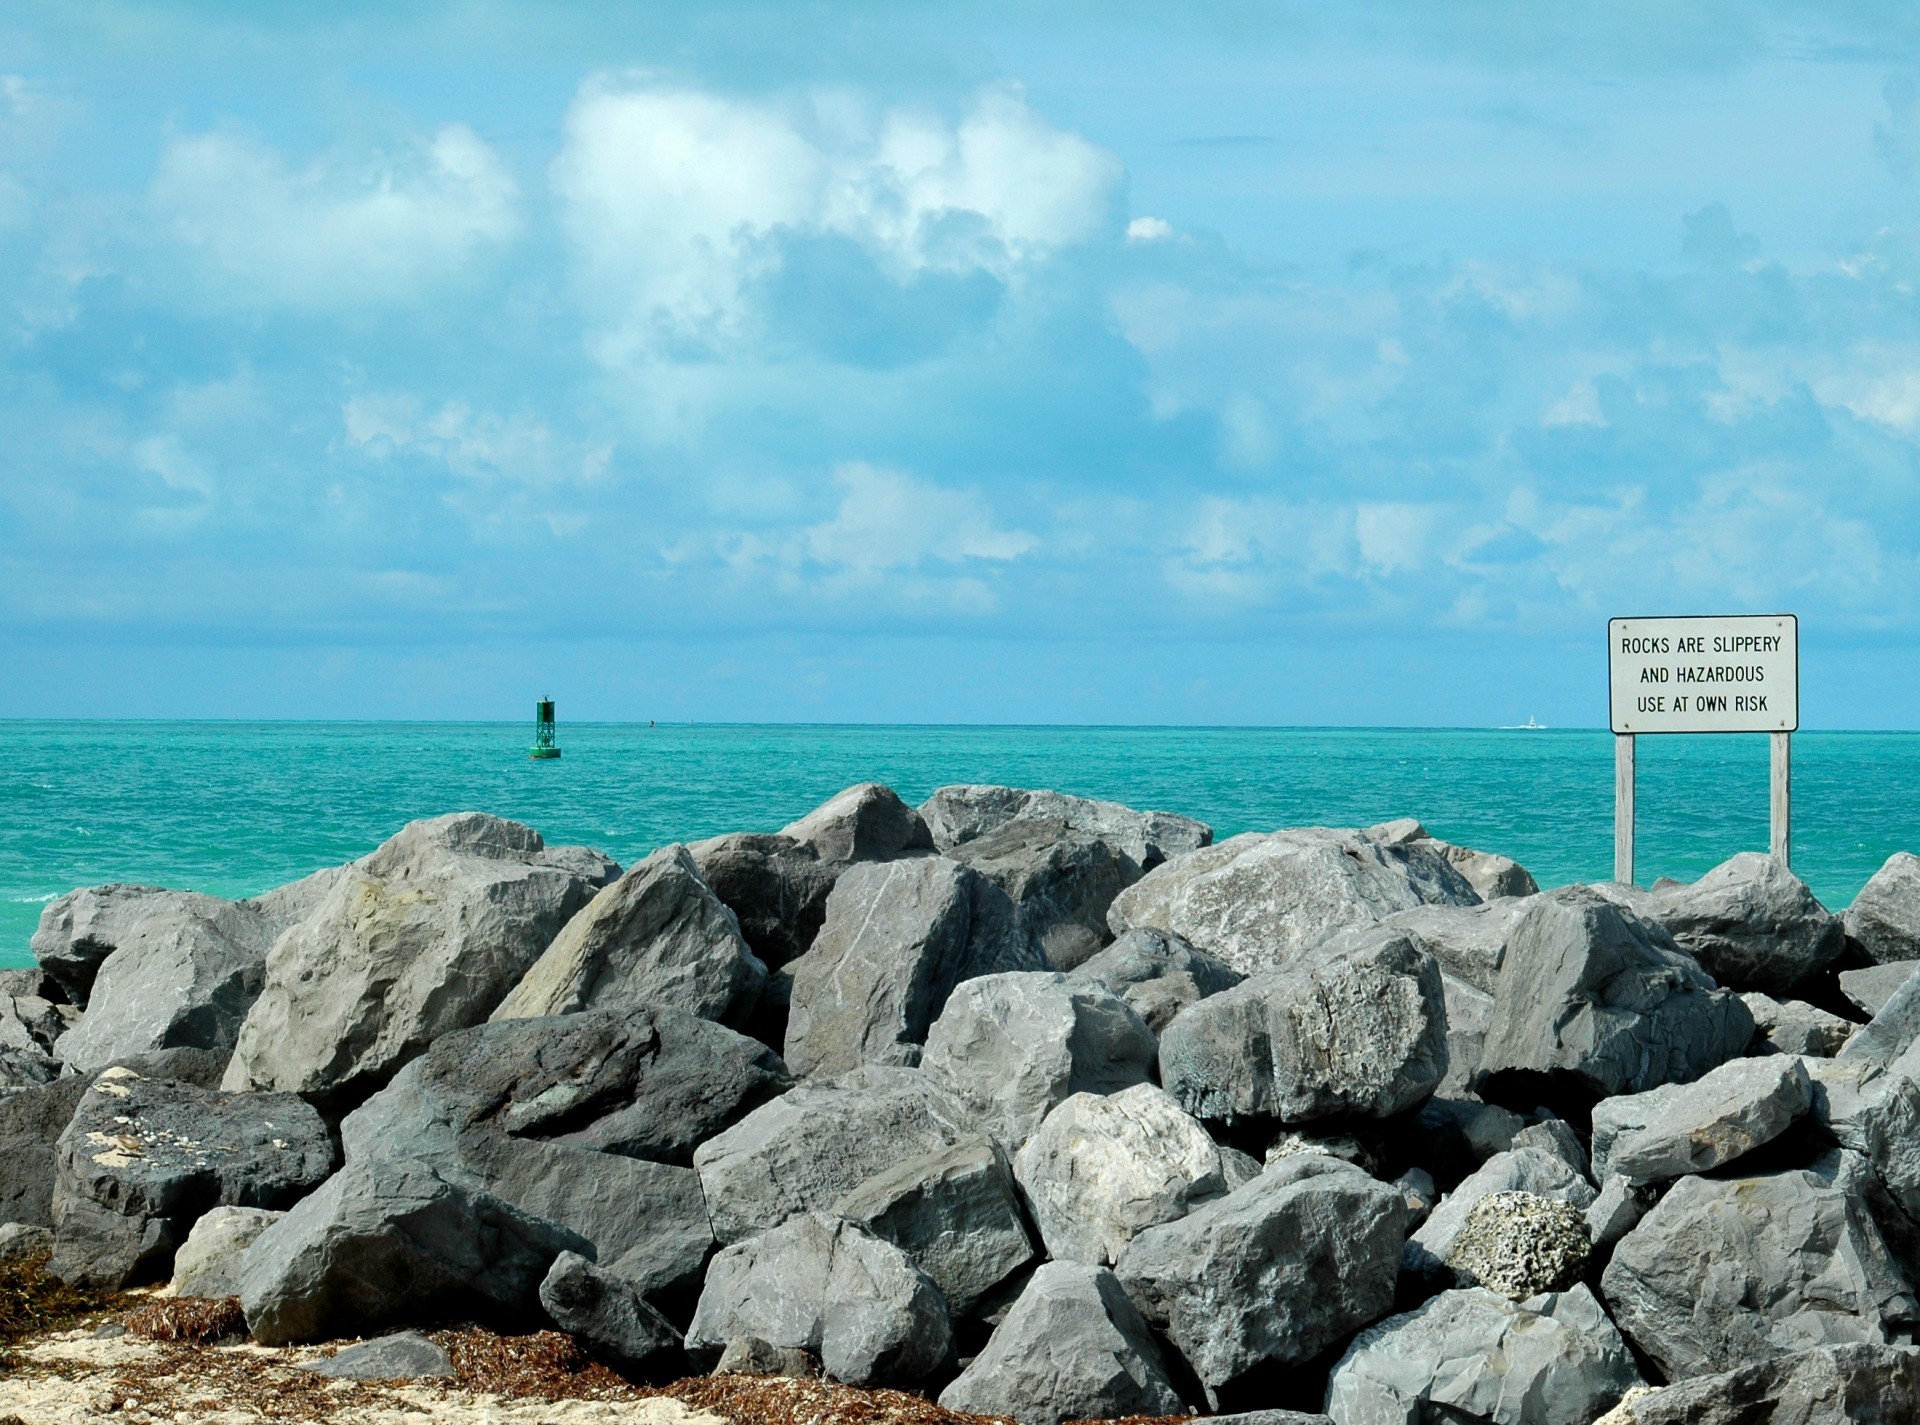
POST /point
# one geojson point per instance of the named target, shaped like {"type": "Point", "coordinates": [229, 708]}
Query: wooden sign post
{"type": "Point", "coordinates": [1713, 675]}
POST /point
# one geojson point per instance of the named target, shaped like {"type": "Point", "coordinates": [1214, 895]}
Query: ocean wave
{"type": "Point", "coordinates": [33, 900]}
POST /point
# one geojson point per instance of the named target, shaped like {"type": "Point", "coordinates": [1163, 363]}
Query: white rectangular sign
{"type": "Point", "coordinates": [1735, 674]}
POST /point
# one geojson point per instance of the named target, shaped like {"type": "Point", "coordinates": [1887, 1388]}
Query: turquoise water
{"type": "Point", "coordinates": [235, 808]}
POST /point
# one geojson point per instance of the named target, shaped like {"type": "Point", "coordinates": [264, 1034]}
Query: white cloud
{"type": "Point", "coordinates": [1145, 229]}
{"type": "Point", "coordinates": [676, 199]}
{"type": "Point", "coordinates": [475, 445]}
{"type": "Point", "coordinates": [388, 228]}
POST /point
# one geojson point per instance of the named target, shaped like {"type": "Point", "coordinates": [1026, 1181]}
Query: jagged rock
{"type": "Point", "coordinates": [1893, 1030]}
{"type": "Point", "coordinates": [1753, 925]}
{"type": "Point", "coordinates": [1871, 988]}
{"type": "Point", "coordinates": [956, 1213]}
{"type": "Point", "coordinates": [959, 814]}
{"type": "Point", "coordinates": [1342, 1146]}
{"type": "Point", "coordinates": [406, 1355]}
{"type": "Point", "coordinates": [638, 1082]}
{"type": "Point", "coordinates": [1557, 1137]}
{"type": "Point", "coordinates": [1521, 1245]}
{"type": "Point", "coordinates": [1469, 941]}
{"type": "Point", "coordinates": [1257, 901]}
{"type": "Point", "coordinates": [1723, 1272]}
{"type": "Point", "coordinates": [1469, 1017]}
{"type": "Point", "coordinates": [596, 868]}
{"type": "Point", "coordinates": [1796, 1027]}
{"type": "Point", "coordinates": [26, 1069]}
{"type": "Point", "coordinates": [867, 822]}
{"type": "Point", "coordinates": [1239, 1168]}
{"type": "Point", "coordinates": [833, 1288]}
{"type": "Point", "coordinates": [420, 938]}
{"type": "Point", "coordinates": [1590, 991]}
{"type": "Point", "coordinates": [899, 935]}
{"type": "Point", "coordinates": [294, 902]}
{"type": "Point", "coordinates": [1012, 1046]}
{"type": "Point", "coordinates": [1422, 1195]}
{"type": "Point", "coordinates": [1473, 1355]}
{"type": "Point", "coordinates": [31, 1121]}
{"type": "Point", "coordinates": [776, 887]}
{"type": "Point", "coordinates": [31, 1024]}
{"type": "Point", "coordinates": [812, 1145]}
{"type": "Point", "coordinates": [656, 937]}
{"type": "Point", "coordinates": [1678, 1129]}
{"type": "Point", "coordinates": [24, 1241]}
{"type": "Point", "coordinates": [1616, 1211]}
{"type": "Point", "coordinates": [1491, 875]}
{"type": "Point", "coordinates": [32, 982]}
{"type": "Point", "coordinates": [1884, 919]}
{"type": "Point", "coordinates": [1275, 1272]}
{"type": "Point", "coordinates": [749, 1355]}
{"type": "Point", "coordinates": [143, 1158]}
{"type": "Point", "coordinates": [387, 1239]}
{"type": "Point", "coordinates": [1528, 1170]}
{"type": "Point", "coordinates": [1060, 880]}
{"type": "Point", "coordinates": [1357, 1025]}
{"type": "Point", "coordinates": [208, 1262]}
{"type": "Point", "coordinates": [1157, 973]}
{"type": "Point", "coordinates": [1101, 1170]}
{"type": "Point", "coordinates": [1072, 1348]}
{"type": "Point", "coordinates": [609, 1315]}
{"type": "Point", "coordinates": [1828, 1385]}
{"type": "Point", "coordinates": [80, 929]}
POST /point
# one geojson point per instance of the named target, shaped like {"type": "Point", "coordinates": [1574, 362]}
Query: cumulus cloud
{"type": "Point", "coordinates": [339, 232]}
{"type": "Point", "coordinates": [477, 445]}
{"type": "Point", "coordinates": [678, 200]}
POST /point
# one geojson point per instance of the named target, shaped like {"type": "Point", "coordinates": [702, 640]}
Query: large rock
{"type": "Point", "coordinates": [957, 815]}
{"type": "Point", "coordinates": [1796, 1027]}
{"type": "Point", "coordinates": [1521, 1245]}
{"type": "Point", "coordinates": [867, 822]}
{"type": "Point", "coordinates": [1870, 988]}
{"type": "Point", "coordinates": [606, 1312]}
{"type": "Point", "coordinates": [405, 1355]}
{"type": "Point", "coordinates": [776, 887]}
{"type": "Point", "coordinates": [1012, 1046]}
{"type": "Point", "coordinates": [814, 1144]}
{"type": "Point", "coordinates": [1491, 875]}
{"type": "Point", "coordinates": [656, 937]}
{"type": "Point", "coordinates": [143, 1158]}
{"type": "Point", "coordinates": [1469, 941]}
{"type": "Point", "coordinates": [1101, 1170]}
{"type": "Point", "coordinates": [1753, 925]}
{"type": "Point", "coordinates": [1679, 1129]}
{"type": "Point", "coordinates": [80, 929]}
{"type": "Point", "coordinates": [183, 975]}
{"type": "Point", "coordinates": [1884, 919]}
{"type": "Point", "coordinates": [1723, 1272]}
{"type": "Point", "coordinates": [387, 1240]}
{"type": "Point", "coordinates": [1061, 881]}
{"type": "Point", "coordinates": [832, 1288]}
{"type": "Point", "coordinates": [1157, 973]}
{"type": "Point", "coordinates": [1275, 1272]}
{"type": "Point", "coordinates": [1473, 1355]}
{"type": "Point", "coordinates": [294, 902]}
{"type": "Point", "coordinates": [1257, 901]}
{"type": "Point", "coordinates": [1072, 1348]}
{"type": "Point", "coordinates": [32, 1025]}
{"type": "Point", "coordinates": [421, 938]}
{"type": "Point", "coordinates": [1527, 1169]}
{"type": "Point", "coordinates": [899, 935]}
{"type": "Point", "coordinates": [208, 1262]}
{"type": "Point", "coordinates": [955, 1212]}
{"type": "Point", "coordinates": [1357, 1025]}
{"type": "Point", "coordinates": [1591, 992]}
{"type": "Point", "coordinates": [1827, 1385]}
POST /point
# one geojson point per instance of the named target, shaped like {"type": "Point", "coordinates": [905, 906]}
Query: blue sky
{"type": "Point", "coordinates": [949, 362]}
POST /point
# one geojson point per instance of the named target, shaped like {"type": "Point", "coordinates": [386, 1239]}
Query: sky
{"type": "Point", "coordinates": [1212, 363]}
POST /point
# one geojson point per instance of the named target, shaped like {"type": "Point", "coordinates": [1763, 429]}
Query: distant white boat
{"type": "Point", "coordinates": [1530, 725]}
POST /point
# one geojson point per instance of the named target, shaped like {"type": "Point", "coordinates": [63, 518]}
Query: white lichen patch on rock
{"type": "Point", "coordinates": [1521, 1244]}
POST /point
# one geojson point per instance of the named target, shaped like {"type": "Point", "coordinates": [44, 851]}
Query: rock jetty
{"type": "Point", "coordinates": [1039, 1107]}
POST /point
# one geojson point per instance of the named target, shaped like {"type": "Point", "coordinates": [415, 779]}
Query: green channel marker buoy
{"type": "Point", "coordinates": [543, 745]}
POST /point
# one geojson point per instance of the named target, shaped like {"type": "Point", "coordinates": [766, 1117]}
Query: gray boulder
{"type": "Point", "coordinates": [1257, 901]}
{"type": "Point", "coordinates": [830, 1287]}
{"type": "Point", "coordinates": [607, 1313]}
{"type": "Point", "coordinates": [1061, 881]}
{"type": "Point", "coordinates": [208, 1262]}
{"type": "Point", "coordinates": [1590, 991]}
{"type": "Point", "coordinates": [143, 1158]}
{"type": "Point", "coordinates": [776, 887]}
{"type": "Point", "coordinates": [1723, 1272]}
{"type": "Point", "coordinates": [1012, 1046]}
{"type": "Point", "coordinates": [749, 1355]}
{"type": "Point", "coordinates": [867, 822]}
{"type": "Point", "coordinates": [79, 930]}
{"type": "Point", "coordinates": [1884, 919]}
{"type": "Point", "coordinates": [1469, 941]}
{"type": "Point", "coordinates": [1616, 1210]}
{"type": "Point", "coordinates": [1473, 1355]}
{"type": "Point", "coordinates": [596, 868]}
{"type": "Point", "coordinates": [957, 815]}
{"type": "Point", "coordinates": [658, 936]}
{"type": "Point", "coordinates": [1679, 1129]}
{"type": "Point", "coordinates": [956, 1213]}
{"type": "Point", "coordinates": [1491, 875]}
{"type": "Point", "coordinates": [811, 1146]}
{"type": "Point", "coordinates": [1529, 1170]}
{"type": "Point", "coordinates": [1275, 1272]}
{"type": "Point", "coordinates": [1893, 1030]}
{"type": "Point", "coordinates": [420, 938]}
{"type": "Point", "coordinates": [1357, 1025]}
{"type": "Point", "coordinates": [1072, 1348]}
{"type": "Point", "coordinates": [1520, 1245]}
{"type": "Point", "coordinates": [33, 1025]}
{"type": "Point", "coordinates": [294, 902]}
{"type": "Point", "coordinates": [1869, 989]}
{"type": "Point", "coordinates": [26, 1069]}
{"type": "Point", "coordinates": [1753, 925]}
{"type": "Point", "coordinates": [1556, 1136]}
{"type": "Point", "coordinates": [1796, 1027]}
{"type": "Point", "coordinates": [387, 1239]}
{"type": "Point", "coordinates": [1469, 1017]}
{"type": "Point", "coordinates": [24, 1242]}
{"type": "Point", "coordinates": [407, 1355]}
{"type": "Point", "coordinates": [899, 935]}
{"type": "Point", "coordinates": [1101, 1170]}
{"type": "Point", "coordinates": [1157, 973]}
{"type": "Point", "coordinates": [1827, 1385]}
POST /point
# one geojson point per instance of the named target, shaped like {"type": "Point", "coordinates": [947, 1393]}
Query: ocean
{"type": "Point", "coordinates": [235, 808]}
